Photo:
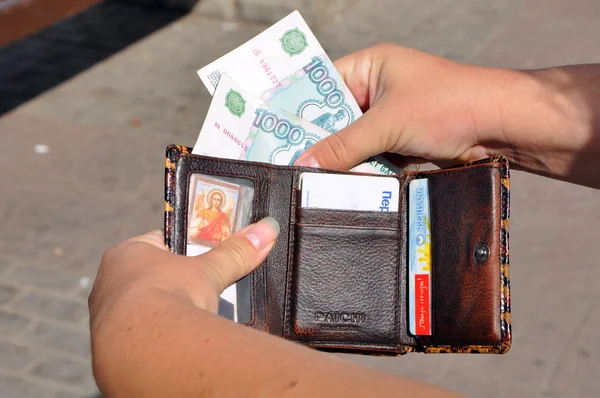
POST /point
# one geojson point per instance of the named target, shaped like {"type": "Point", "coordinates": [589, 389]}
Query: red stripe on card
{"type": "Point", "coordinates": [422, 305]}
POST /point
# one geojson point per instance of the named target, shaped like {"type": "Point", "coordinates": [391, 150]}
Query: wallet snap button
{"type": "Point", "coordinates": [482, 252]}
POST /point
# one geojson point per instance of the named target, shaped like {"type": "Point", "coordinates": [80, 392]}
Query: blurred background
{"type": "Point", "coordinates": [93, 92]}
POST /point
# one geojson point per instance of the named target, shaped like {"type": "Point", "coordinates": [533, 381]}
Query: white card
{"type": "Point", "coordinates": [349, 192]}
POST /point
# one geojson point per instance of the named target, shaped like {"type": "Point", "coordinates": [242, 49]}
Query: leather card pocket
{"type": "Point", "coordinates": [345, 274]}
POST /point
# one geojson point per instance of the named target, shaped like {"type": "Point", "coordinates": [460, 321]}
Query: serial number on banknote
{"type": "Point", "coordinates": [265, 65]}
{"type": "Point", "coordinates": [231, 136]}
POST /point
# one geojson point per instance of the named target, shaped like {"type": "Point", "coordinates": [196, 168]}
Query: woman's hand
{"type": "Point", "coordinates": [156, 333]}
{"type": "Point", "coordinates": [418, 105]}
{"type": "Point", "coordinates": [425, 108]}
{"type": "Point", "coordinates": [131, 269]}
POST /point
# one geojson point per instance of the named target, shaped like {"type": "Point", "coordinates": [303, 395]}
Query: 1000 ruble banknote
{"type": "Point", "coordinates": [241, 126]}
{"type": "Point", "coordinates": [286, 66]}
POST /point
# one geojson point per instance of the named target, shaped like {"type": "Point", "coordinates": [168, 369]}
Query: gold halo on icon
{"type": "Point", "coordinates": [213, 192]}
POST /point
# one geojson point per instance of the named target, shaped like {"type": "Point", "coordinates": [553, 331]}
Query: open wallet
{"type": "Point", "coordinates": [338, 280]}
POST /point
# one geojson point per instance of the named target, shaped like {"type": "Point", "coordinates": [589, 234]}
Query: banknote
{"type": "Point", "coordinates": [267, 60]}
{"type": "Point", "coordinates": [286, 66]}
{"type": "Point", "coordinates": [239, 125]}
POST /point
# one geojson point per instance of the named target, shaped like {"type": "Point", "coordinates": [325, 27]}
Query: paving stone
{"type": "Point", "coordinates": [450, 29]}
{"type": "Point", "coordinates": [101, 182]}
{"type": "Point", "coordinates": [63, 370]}
{"type": "Point", "coordinates": [554, 41]}
{"type": "Point", "coordinates": [7, 293]}
{"type": "Point", "coordinates": [4, 265]}
{"type": "Point", "coordinates": [43, 278]}
{"type": "Point", "coordinates": [17, 387]}
{"type": "Point", "coordinates": [52, 307]}
{"type": "Point", "coordinates": [222, 8]}
{"type": "Point", "coordinates": [12, 323]}
{"type": "Point", "coordinates": [14, 357]}
{"type": "Point", "coordinates": [59, 338]}
{"type": "Point", "coordinates": [69, 394]}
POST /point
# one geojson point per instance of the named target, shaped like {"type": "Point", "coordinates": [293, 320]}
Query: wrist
{"type": "Point", "coordinates": [534, 119]}
{"type": "Point", "coordinates": [494, 127]}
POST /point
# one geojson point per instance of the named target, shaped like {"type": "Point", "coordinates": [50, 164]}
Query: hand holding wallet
{"type": "Point", "coordinates": [337, 279]}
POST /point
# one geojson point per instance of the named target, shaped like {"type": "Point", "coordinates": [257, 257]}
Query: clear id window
{"type": "Point", "coordinates": [218, 207]}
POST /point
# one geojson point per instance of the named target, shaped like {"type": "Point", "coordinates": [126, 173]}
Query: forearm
{"type": "Point", "coordinates": [547, 122]}
{"type": "Point", "coordinates": [159, 345]}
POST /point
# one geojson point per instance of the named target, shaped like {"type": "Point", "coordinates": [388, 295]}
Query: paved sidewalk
{"type": "Point", "coordinates": [83, 169]}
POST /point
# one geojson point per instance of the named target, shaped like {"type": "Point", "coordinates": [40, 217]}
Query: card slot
{"type": "Point", "coordinates": [334, 218]}
{"type": "Point", "coordinates": [344, 286]}
{"type": "Point", "coordinates": [465, 218]}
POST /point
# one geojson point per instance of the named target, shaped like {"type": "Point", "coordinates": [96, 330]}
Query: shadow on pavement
{"type": "Point", "coordinates": [32, 65]}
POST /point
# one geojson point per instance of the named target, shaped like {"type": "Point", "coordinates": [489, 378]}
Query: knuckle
{"type": "Point", "coordinates": [384, 46]}
{"type": "Point", "coordinates": [389, 126]}
{"type": "Point", "coordinates": [109, 255]}
{"type": "Point", "coordinates": [237, 255]}
{"type": "Point", "coordinates": [232, 257]}
{"type": "Point", "coordinates": [212, 271]}
{"type": "Point", "coordinates": [116, 252]}
{"type": "Point", "coordinates": [337, 149]}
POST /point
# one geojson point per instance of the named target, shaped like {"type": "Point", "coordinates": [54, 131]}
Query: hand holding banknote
{"type": "Point", "coordinates": [426, 108]}
{"type": "Point", "coordinates": [419, 106]}
{"type": "Point", "coordinates": [242, 126]}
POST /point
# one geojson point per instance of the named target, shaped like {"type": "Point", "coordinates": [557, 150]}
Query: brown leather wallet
{"type": "Point", "coordinates": [337, 279]}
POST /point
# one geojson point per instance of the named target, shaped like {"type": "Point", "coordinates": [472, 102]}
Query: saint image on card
{"type": "Point", "coordinates": [213, 209]}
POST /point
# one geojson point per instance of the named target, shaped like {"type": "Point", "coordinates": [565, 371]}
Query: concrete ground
{"type": "Point", "coordinates": [88, 106]}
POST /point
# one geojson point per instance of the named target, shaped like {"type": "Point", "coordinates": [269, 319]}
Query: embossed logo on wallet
{"type": "Point", "coordinates": [340, 317]}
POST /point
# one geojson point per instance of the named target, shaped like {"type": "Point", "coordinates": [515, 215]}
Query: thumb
{"type": "Point", "coordinates": [239, 254]}
{"type": "Point", "coordinates": [349, 146]}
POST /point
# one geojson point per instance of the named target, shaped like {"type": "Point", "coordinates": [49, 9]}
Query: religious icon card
{"type": "Point", "coordinates": [213, 210]}
{"type": "Point", "coordinates": [217, 208]}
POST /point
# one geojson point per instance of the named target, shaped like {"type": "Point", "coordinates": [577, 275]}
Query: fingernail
{"type": "Point", "coordinates": [263, 233]}
{"type": "Point", "coordinates": [308, 161]}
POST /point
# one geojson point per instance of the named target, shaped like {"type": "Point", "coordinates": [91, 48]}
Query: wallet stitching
{"type": "Point", "coordinates": [265, 268]}
{"type": "Point", "coordinates": [400, 234]}
{"type": "Point", "coordinates": [499, 220]}
{"type": "Point", "coordinates": [287, 327]}
{"type": "Point", "coordinates": [330, 226]}
{"type": "Point", "coordinates": [169, 215]}
{"type": "Point", "coordinates": [348, 225]}
{"type": "Point", "coordinates": [397, 283]}
{"type": "Point", "coordinates": [350, 344]}
{"type": "Point", "coordinates": [463, 169]}
{"type": "Point", "coordinates": [503, 206]}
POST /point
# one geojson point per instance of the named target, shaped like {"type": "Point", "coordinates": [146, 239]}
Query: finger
{"type": "Point", "coordinates": [404, 161]}
{"type": "Point", "coordinates": [366, 137]}
{"type": "Point", "coordinates": [239, 254]}
{"type": "Point", "coordinates": [154, 238]}
{"type": "Point", "coordinates": [355, 70]}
